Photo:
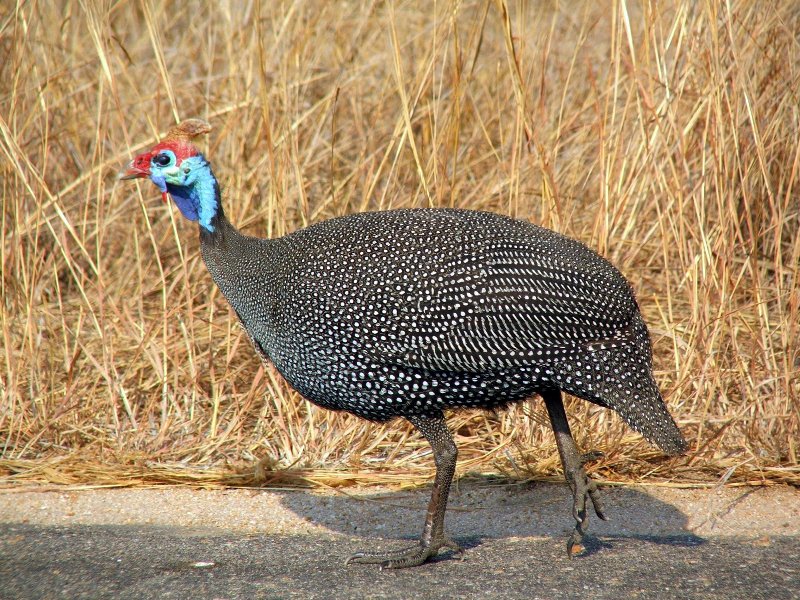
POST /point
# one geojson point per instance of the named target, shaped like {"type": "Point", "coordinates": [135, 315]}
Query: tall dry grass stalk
{"type": "Point", "coordinates": [663, 134]}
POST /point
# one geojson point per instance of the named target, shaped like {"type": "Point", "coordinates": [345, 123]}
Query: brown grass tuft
{"type": "Point", "coordinates": [663, 134]}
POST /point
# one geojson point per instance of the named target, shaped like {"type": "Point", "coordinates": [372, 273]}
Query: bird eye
{"type": "Point", "coordinates": [163, 159]}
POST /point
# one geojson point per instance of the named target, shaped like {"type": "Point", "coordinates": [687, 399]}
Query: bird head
{"type": "Point", "coordinates": [177, 168]}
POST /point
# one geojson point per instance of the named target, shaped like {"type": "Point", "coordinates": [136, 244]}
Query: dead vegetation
{"type": "Point", "coordinates": [663, 134]}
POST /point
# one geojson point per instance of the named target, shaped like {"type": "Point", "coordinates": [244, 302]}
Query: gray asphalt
{"type": "Point", "coordinates": [162, 562]}
{"type": "Point", "coordinates": [661, 542]}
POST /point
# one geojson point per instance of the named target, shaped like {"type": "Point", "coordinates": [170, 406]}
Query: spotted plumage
{"type": "Point", "coordinates": [405, 313]}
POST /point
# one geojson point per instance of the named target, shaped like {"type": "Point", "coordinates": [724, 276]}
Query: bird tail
{"type": "Point", "coordinates": [619, 375]}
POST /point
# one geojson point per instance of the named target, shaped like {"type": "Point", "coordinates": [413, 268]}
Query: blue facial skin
{"type": "Point", "coordinates": [191, 184]}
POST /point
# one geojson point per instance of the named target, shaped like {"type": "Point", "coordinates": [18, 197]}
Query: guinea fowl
{"type": "Point", "coordinates": [405, 313]}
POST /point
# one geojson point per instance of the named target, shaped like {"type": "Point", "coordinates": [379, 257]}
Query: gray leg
{"type": "Point", "coordinates": [433, 539]}
{"type": "Point", "coordinates": [572, 461]}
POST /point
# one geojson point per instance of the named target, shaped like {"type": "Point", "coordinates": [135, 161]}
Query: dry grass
{"type": "Point", "coordinates": [664, 134]}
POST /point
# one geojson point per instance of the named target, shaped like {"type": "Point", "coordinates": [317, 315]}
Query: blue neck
{"type": "Point", "coordinates": [198, 198]}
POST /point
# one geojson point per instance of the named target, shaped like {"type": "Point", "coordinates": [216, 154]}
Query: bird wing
{"type": "Point", "coordinates": [509, 303]}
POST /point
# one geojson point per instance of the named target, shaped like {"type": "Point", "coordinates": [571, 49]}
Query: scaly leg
{"type": "Point", "coordinates": [572, 461]}
{"type": "Point", "coordinates": [433, 539]}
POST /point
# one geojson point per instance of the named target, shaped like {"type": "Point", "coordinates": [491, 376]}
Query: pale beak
{"type": "Point", "coordinates": [133, 172]}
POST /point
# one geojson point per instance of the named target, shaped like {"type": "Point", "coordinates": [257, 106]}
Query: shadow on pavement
{"type": "Point", "coordinates": [480, 509]}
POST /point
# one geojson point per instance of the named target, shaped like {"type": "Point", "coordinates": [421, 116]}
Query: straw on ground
{"type": "Point", "coordinates": [663, 135]}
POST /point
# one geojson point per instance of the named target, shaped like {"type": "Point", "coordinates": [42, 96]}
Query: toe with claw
{"type": "Point", "coordinates": [406, 557]}
{"type": "Point", "coordinates": [581, 484]}
{"type": "Point", "coordinates": [583, 487]}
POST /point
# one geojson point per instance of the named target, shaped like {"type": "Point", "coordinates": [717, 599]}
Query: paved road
{"type": "Point", "coordinates": [154, 562]}
{"type": "Point", "coordinates": [725, 543]}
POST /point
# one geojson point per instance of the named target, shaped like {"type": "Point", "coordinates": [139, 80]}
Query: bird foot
{"type": "Point", "coordinates": [582, 487]}
{"type": "Point", "coordinates": [575, 545]}
{"type": "Point", "coordinates": [406, 557]}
